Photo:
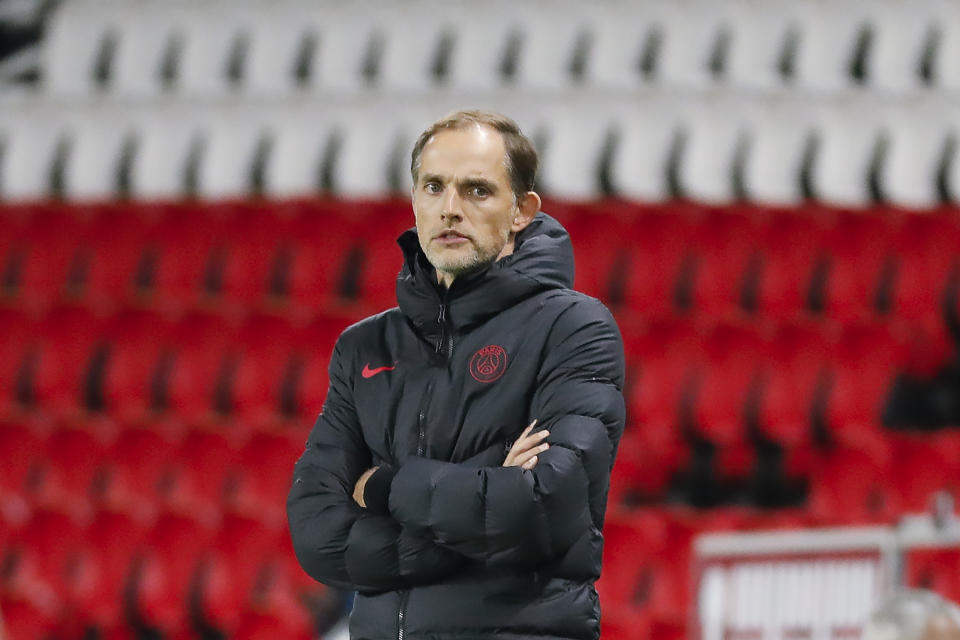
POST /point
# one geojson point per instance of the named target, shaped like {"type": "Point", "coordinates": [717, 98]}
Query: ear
{"type": "Point", "coordinates": [527, 209]}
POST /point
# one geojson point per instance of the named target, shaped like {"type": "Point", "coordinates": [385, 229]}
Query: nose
{"type": "Point", "coordinates": [451, 205]}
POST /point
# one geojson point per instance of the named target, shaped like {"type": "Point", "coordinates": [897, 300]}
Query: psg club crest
{"type": "Point", "coordinates": [488, 364]}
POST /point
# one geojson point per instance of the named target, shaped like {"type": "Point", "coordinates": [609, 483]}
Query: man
{"type": "Point", "coordinates": [914, 614]}
{"type": "Point", "coordinates": [457, 476]}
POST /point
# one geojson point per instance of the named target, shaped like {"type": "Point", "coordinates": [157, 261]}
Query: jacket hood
{"type": "Point", "coordinates": [542, 259]}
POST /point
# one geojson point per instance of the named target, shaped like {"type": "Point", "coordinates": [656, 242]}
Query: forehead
{"type": "Point", "coordinates": [474, 151]}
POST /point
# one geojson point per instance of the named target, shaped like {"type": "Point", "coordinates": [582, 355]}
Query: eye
{"type": "Point", "coordinates": [479, 192]}
{"type": "Point", "coordinates": [432, 187]}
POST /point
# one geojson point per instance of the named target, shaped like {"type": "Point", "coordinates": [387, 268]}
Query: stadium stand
{"type": "Point", "coordinates": [197, 197]}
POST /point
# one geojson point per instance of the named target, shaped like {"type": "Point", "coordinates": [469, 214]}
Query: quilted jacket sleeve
{"type": "Point", "coordinates": [507, 515]}
{"type": "Point", "coordinates": [336, 541]}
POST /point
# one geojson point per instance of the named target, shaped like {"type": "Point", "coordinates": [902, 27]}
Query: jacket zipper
{"type": "Point", "coordinates": [402, 614]}
{"type": "Point", "coordinates": [422, 419]}
{"type": "Point", "coordinates": [446, 336]}
{"type": "Point", "coordinates": [445, 339]}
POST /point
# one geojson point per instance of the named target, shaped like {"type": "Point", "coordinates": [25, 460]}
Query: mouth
{"type": "Point", "coordinates": [450, 237]}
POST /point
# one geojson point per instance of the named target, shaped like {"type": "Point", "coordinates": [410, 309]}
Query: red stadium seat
{"type": "Point", "coordinates": [262, 478]}
{"type": "Point", "coordinates": [863, 366]}
{"type": "Point", "coordinates": [66, 344]}
{"type": "Point", "coordinates": [49, 263]}
{"type": "Point", "coordinates": [200, 374]}
{"type": "Point", "coordinates": [793, 246]}
{"type": "Point", "coordinates": [861, 265]}
{"type": "Point", "coordinates": [727, 246]}
{"type": "Point", "coordinates": [72, 462]}
{"type": "Point", "coordinates": [923, 465]}
{"type": "Point", "coordinates": [162, 576]}
{"type": "Point", "coordinates": [927, 266]}
{"type": "Point", "coordinates": [17, 336]}
{"type": "Point", "coordinates": [140, 354]}
{"type": "Point", "coordinates": [794, 371]}
{"type": "Point", "coordinates": [727, 382]}
{"type": "Point", "coordinates": [850, 485]}
{"type": "Point", "coordinates": [265, 350]}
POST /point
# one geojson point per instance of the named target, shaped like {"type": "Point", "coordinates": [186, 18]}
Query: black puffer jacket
{"type": "Point", "coordinates": [434, 392]}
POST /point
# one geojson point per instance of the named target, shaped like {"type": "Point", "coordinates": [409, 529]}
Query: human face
{"type": "Point", "coordinates": [465, 208]}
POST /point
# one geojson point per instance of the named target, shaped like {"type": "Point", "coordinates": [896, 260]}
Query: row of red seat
{"type": "Point", "coordinates": [310, 255]}
{"type": "Point", "coordinates": [115, 575]}
{"type": "Point", "coordinates": [715, 378]}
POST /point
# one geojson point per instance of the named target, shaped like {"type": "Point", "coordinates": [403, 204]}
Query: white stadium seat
{"type": "Point", "coordinates": [97, 144]}
{"type": "Point", "coordinates": [827, 34]}
{"type": "Point", "coordinates": [31, 133]}
{"type": "Point", "coordinates": [714, 130]}
{"type": "Point", "coordinates": [551, 42]}
{"type": "Point", "coordinates": [231, 142]}
{"type": "Point", "coordinates": [690, 32]}
{"type": "Point", "coordinates": [620, 34]}
{"type": "Point", "coordinates": [759, 42]}
{"type": "Point", "coordinates": [76, 36]}
{"type": "Point", "coordinates": [647, 133]}
{"type": "Point", "coordinates": [916, 133]}
{"type": "Point", "coordinates": [570, 159]}
{"type": "Point", "coordinates": [146, 43]}
{"type": "Point", "coordinates": [777, 139]}
{"type": "Point", "coordinates": [166, 136]}
{"type": "Point", "coordinates": [848, 136]}
{"type": "Point", "coordinates": [900, 36]}
{"type": "Point", "coordinates": [299, 141]}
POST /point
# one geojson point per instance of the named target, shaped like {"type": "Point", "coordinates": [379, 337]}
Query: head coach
{"type": "Point", "coordinates": [458, 474]}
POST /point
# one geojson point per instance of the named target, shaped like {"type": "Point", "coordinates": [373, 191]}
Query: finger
{"type": "Point", "coordinates": [527, 430]}
{"type": "Point", "coordinates": [534, 438]}
{"type": "Point", "coordinates": [522, 457]}
{"type": "Point", "coordinates": [530, 464]}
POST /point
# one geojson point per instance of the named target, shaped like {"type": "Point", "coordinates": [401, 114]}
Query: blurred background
{"type": "Point", "coordinates": [197, 196]}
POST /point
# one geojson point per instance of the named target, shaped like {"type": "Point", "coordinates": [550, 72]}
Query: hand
{"type": "Point", "coordinates": [361, 485]}
{"type": "Point", "coordinates": [524, 451]}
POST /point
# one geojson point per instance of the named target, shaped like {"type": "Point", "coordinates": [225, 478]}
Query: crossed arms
{"type": "Point", "coordinates": [434, 517]}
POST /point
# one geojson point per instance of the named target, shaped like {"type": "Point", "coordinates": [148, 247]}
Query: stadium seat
{"type": "Point", "coordinates": [899, 44]}
{"type": "Point", "coordinates": [168, 142]}
{"type": "Point", "coordinates": [77, 49]}
{"type": "Point", "coordinates": [923, 466]}
{"type": "Point", "coordinates": [263, 352]}
{"type": "Point", "coordinates": [690, 36]}
{"type": "Point", "coordinates": [926, 262]}
{"type": "Point", "coordinates": [551, 44]}
{"type": "Point", "coordinates": [648, 138]}
{"type": "Point", "coordinates": [827, 44]}
{"type": "Point", "coordinates": [726, 385]}
{"type": "Point", "coordinates": [15, 349]}
{"type": "Point", "coordinates": [757, 44]}
{"type": "Point", "coordinates": [138, 360]}
{"type": "Point", "coordinates": [794, 369]}
{"type": "Point", "coordinates": [66, 345]}
{"type": "Point", "coordinates": [714, 138]}
{"type": "Point", "coordinates": [937, 569]}
{"type": "Point", "coordinates": [917, 144]}
{"type": "Point", "coordinates": [861, 264]}
{"type": "Point", "coordinates": [839, 496]}
{"type": "Point", "coordinates": [198, 384]}
{"type": "Point", "coordinates": [776, 141]}
{"type": "Point", "coordinates": [572, 153]}
{"type": "Point", "coordinates": [97, 144]}
{"type": "Point", "coordinates": [161, 579]}
{"type": "Point", "coordinates": [280, 41]}
{"type": "Point", "coordinates": [863, 366]}
{"type": "Point", "coordinates": [848, 142]}
{"type": "Point", "coordinates": [727, 249]}
{"type": "Point", "coordinates": [298, 155]}
{"type": "Point", "coordinates": [231, 144]}
{"type": "Point", "coordinates": [793, 253]}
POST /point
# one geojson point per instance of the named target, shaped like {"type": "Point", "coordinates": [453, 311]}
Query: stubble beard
{"type": "Point", "coordinates": [476, 259]}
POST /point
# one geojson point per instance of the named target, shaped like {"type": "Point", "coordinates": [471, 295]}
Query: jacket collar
{"type": "Point", "coordinates": [542, 259]}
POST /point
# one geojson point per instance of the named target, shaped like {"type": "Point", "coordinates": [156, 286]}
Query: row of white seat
{"type": "Point", "coordinates": [266, 47]}
{"type": "Point", "coordinates": [715, 147]}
